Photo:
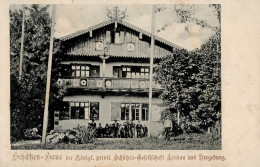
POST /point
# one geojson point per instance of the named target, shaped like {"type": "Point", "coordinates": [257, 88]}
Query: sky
{"type": "Point", "coordinates": [73, 18]}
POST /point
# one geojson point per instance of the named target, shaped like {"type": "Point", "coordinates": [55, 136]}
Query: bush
{"type": "Point", "coordinates": [78, 135]}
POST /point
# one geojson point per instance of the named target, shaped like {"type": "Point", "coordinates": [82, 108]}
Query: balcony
{"type": "Point", "coordinates": [108, 84]}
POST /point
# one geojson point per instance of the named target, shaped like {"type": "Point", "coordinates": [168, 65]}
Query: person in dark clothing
{"type": "Point", "coordinates": [107, 130]}
{"type": "Point", "coordinates": [138, 128]}
{"type": "Point", "coordinates": [115, 128]}
{"type": "Point", "coordinates": [131, 129]}
{"type": "Point", "coordinates": [93, 124]}
{"type": "Point", "coordinates": [145, 131]}
{"type": "Point", "coordinates": [121, 131]}
{"type": "Point", "coordinates": [126, 129]}
{"type": "Point", "coordinates": [100, 131]}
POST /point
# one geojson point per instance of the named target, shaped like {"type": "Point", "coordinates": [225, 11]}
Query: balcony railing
{"type": "Point", "coordinates": [107, 83]}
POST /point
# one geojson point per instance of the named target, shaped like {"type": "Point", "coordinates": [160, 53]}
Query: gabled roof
{"type": "Point", "coordinates": [124, 23]}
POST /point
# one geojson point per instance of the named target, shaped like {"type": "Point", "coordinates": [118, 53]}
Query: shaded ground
{"type": "Point", "coordinates": [185, 142]}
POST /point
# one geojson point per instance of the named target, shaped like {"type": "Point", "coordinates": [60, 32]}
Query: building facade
{"type": "Point", "coordinates": [105, 69]}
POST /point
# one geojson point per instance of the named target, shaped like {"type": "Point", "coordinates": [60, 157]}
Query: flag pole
{"type": "Point", "coordinates": [151, 72]}
{"type": "Point", "coordinates": [47, 95]}
{"type": "Point", "coordinates": [21, 51]}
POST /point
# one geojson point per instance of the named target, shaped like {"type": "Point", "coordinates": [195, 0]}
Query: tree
{"type": "Point", "coordinates": [27, 95]}
{"type": "Point", "coordinates": [192, 79]}
{"type": "Point", "coordinates": [179, 75]}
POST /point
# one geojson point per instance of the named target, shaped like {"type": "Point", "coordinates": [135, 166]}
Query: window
{"type": "Point", "coordinates": [94, 71]}
{"type": "Point", "coordinates": [94, 111]}
{"type": "Point", "coordinates": [80, 70]}
{"type": "Point", "coordinates": [145, 113]}
{"type": "Point", "coordinates": [135, 111]}
{"type": "Point", "coordinates": [125, 111]}
{"type": "Point", "coordinates": [126, 72]}
{"type": "Point", "coordinates": [115, 37]}
{"type": "Point", "coordinates": [117, 72]}
{"type": "Point", "coordinates": [85, 110]}
{"type": "Point", "coordinates": [144, 72]}
{"type": "Point", "coordinates": [135, 72]}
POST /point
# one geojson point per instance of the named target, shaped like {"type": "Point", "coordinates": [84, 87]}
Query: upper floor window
{"type": "Point", "coordinates": [85, 71]}
{"type": "Point", "coordinates": [80, 70]}
{"type": "Point", "coordinates": [131, 72]}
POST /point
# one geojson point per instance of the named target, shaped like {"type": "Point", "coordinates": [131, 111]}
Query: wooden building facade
{"type": "Point", "coordinates": [105, 69]}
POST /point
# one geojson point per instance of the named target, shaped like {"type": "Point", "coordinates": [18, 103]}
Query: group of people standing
{"type": "Point", "coordinates": [126, 130]}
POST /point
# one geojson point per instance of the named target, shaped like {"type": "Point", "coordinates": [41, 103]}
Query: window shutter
{"type": "Point", "coordinates": [117, 38]}
{"type": "Point", "coordinates": [122, 37]}
{"type": "Point", "coordinates": [115, 111]}
{"type": "Point", "coordinates": [108, 36]}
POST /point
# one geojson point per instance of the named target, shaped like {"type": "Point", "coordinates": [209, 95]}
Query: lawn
{"type": "Point", "coordinates": [185, 142]}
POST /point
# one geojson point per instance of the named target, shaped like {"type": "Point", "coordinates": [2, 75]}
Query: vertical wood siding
{"type": "Point", "coordinates": [86, 45]}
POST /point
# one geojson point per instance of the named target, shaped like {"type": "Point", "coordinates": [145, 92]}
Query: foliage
{"type": "Point", "coordinates": [192, 87]}
{"type": "Point", "coordinates": [87, 135]}
{"type": "Point", "coordinates": [188, 14]}
{"type": "Point", "coordinates": [192, 79]}
{"type": "Point", "coordinates": [28, 94]}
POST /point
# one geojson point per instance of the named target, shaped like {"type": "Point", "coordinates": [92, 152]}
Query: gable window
{"type": "Point", "coordinates": [84, 110]}
{"type": "Point", "coordinates": [115, 37]}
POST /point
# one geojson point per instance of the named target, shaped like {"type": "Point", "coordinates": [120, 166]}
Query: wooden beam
{"type": "Point", "coordinates": [151, 72]}
{"type": "Point", "coordinates": [140, 35]}
{"type": "Point", "coordinates": [48, 83]}
{"type": "Point", "coordinates": [115, 25]}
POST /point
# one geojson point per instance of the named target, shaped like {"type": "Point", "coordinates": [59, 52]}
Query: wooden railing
{"type": "Point", "coordinates": [107, 83]}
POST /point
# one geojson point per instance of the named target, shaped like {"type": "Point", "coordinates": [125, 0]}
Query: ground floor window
{"type": "Point", "coordinates": [145, 113]}
{"type": "Point", "coordinates": [134, 111]}
{"type": "Point", "coordinates": [125, 111]}
{"type": "Point", "coordinates": [84, 110]}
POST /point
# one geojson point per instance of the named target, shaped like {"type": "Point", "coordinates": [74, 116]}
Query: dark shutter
{"type": "Point", "coordinates": [115, 111]}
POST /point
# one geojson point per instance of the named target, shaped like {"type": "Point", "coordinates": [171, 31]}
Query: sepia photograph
{"type": "Point", "coordinates": [115, 77]}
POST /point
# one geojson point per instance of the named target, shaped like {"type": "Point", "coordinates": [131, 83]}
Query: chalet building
{"type": "Point", "coordinates": [105, 69]}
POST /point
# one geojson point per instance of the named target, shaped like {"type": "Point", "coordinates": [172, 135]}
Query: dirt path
{"type": "Point", "coordinates": [26, 142]}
